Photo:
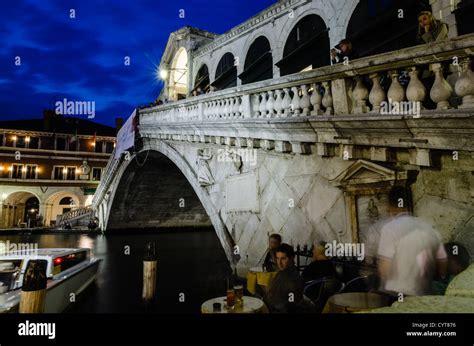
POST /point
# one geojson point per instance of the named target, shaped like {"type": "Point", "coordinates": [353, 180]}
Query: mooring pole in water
{"type": "Point", "coordinates": [33, 291]}
{"type": "Point", "coordinates": [149, 273]}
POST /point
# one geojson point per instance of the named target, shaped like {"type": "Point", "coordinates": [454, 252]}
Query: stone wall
{"type": "Point", "coordinates": [445, 197]}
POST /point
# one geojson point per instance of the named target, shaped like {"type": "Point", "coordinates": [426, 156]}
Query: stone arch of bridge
{"type": "Point", "coordinates": [175, 163]}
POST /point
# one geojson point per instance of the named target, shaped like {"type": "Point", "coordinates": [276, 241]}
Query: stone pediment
{"type": "Point", "coordinates": [364, 172]}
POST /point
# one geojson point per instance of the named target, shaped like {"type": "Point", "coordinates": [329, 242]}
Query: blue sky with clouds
{"type": "Point", "coordinates": [82, 58]}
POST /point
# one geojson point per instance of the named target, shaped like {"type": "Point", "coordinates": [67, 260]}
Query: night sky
{"type": "Point", "coordinates": [82, 58]}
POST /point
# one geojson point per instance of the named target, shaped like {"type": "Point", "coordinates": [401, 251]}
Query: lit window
{"type": "Point", "coordinates": [33, 143]}
{"type": "Point", "coordinates": [20, 141]}
{"type": "Point", "coordinates": [96, 173]}
{"type": "Point", "coordinates": [71, 173]}
{"type": "Point", "coordinates": [31, 171]}
{"type": "Point", "coordinates": [16, 171]}
{"type": "Point", "coordinates": [109, 147]}
{"type": "Point", "coordinates": [98, 147]}
{"type": "Point", "coordinates": [58, 173]}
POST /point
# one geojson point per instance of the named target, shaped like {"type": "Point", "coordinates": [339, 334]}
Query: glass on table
{"type": "Point", "coordinates": [239, 292]}
{"type": "Point", "coordinates": [216, 307]}
{"type": "Point", "coordinates": [230, 298]}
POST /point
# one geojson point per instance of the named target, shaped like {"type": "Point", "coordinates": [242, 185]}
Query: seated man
{"type": "Point", "coordinates": [320, 267]}
{"type": "Point", "coordinates": [270, 259]}
{"type": "Point", "coordinates": [286, 290]}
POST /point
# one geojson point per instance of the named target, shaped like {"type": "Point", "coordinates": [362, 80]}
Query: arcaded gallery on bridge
{"type": "Point", "coordinates": [311, 120]}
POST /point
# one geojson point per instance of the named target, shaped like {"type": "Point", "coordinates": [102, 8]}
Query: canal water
{"type": "Point", "coordinates": [190, 262]}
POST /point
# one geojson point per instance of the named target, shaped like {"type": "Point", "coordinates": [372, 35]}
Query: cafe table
{"type": "Point", "coordinates": [251, 305]}
{"type": "Point", "coordinates": [429, 305]}
{"type": "Point", "coordinates": [256, 276]}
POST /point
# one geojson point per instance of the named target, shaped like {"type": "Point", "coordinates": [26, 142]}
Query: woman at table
{"type": "Point", "coordinates": [286, 290]}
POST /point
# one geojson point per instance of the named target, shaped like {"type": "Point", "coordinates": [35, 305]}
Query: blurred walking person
{"type": "Point", "coordinates": [410, 252]}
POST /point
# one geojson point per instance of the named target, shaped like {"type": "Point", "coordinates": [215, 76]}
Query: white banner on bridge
{"type": "Point", "coordinates": [126, 135]}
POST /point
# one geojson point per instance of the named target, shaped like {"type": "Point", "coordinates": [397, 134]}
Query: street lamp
{"type": "Point", "coordinates": [163, 74]}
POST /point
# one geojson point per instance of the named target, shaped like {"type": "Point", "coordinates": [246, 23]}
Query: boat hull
{"type": "Point", "coordinates": [60, 294]}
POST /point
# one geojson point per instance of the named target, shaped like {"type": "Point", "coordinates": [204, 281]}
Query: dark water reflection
{"type": "Point", "coordinates": [190, 262]}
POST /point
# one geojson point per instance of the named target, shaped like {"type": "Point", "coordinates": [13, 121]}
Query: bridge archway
{"type": "Point", "coordinates": [154, 193]}
{"type": "Point", "coordinates": [258, 61]}
{"type": "Point", "coordinates": [226, 72]}
{"type": "Point", "coordinates": [14, 207]}
{"type": "Point", "coordinates": [178, 77]}
{"type": "Point", "coordinates": [381, 26]}
{"type": "Point", "coordinates": [159, 170]}
{"type": "Point", "coordinates": [58, 203]}
{"type": "Point", "coordinates": [306, 47]}
{"type": "Point", "coordinates": [202, 81]}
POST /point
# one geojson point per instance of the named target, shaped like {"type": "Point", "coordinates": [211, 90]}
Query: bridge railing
{"type": "Point", "coordinates": [352, 88]}
{"type": "Point", "coordinates": [74, 215]}
{"type": "Point", "coordinates": [107, 178]}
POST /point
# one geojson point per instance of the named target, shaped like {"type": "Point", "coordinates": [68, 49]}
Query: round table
{"type": "Point", "coordinates": [251, 305]}
{"type": "Point", "coordinates": [256, 276]}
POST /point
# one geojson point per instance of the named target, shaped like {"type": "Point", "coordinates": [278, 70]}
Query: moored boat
{"type": "Point", "coordinates": [69, 272]}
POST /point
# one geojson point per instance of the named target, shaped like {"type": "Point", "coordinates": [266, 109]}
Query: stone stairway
{"type": "Point", "coordinates": [76, 217]}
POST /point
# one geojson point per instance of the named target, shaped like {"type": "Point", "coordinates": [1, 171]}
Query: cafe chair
{"type": "Point", "coordinates": [319, 291]}
{"type": "Point", "coordinates": [365, 283]}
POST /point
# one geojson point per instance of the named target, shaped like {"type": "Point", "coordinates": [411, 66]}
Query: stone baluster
{"type": "Point", "coordinates": [316, 100]}
{"type": "Point", "coordinates": [237, 107]}
{"type": "Point", "coordinates": [206, 110]}
{"type": "Point", "coordinates": [295, 102]}
{"type": "Point", "coordinates": [286, 103]}
{"type": "Point", "coordinates": [360, 94]}
{"type": "Point", "coordinates": [327, 99]}
{"type": "Point", "coordinates": [270, 104]}
{"type": "Point", "coordinates": [231, 107]}
{"type": "Point", "coordinates": [396, 93]}
{"type": "Point", "coordinates": [212, 109]}
{"type": "Point", "coordinates": [209, 110]}
{"type": "Point", "coordinates": [377, 94]}
{"type": "Point", "coordinates": [219, 108]}
{"type": "Point", "coordinates": [305, 102]}
{"type": "Point", "coordinates": [242, 106]}
{"type": "Point", "coordinates": [278, 106]}
{"type": "Point", "coordinates": [255, 105]}
{"type": "Point", "coordinates": [464, 86]}
{"type": "Point", "coordinates": [263, 105]}
{"type": "Point", "coordinates": [215, 106]}
{"type": "Point", "coordinates": [226, 109]}
{"type": "Point", "coordinates": [441, 90]}
{"type": "Point", "coordinates": [203, 110]}
{"type": "Point", "coordinates": [416, 91]}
